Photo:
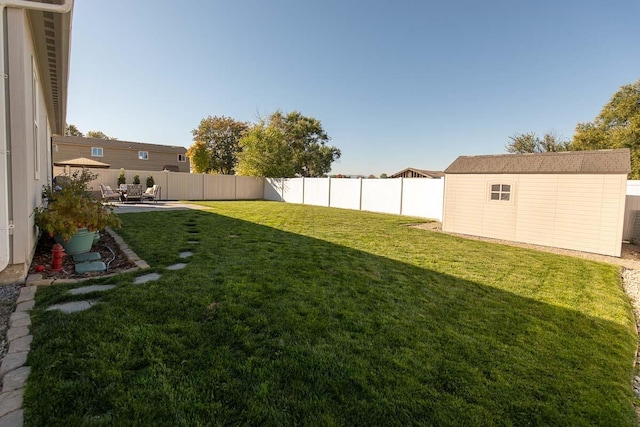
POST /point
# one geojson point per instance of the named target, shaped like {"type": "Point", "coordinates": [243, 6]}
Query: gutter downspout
{"type": "Point", "coordinates": [4, 172]}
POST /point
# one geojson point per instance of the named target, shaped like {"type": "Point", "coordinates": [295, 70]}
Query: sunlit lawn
{"type": "Point", "coordinates": [298, 315]}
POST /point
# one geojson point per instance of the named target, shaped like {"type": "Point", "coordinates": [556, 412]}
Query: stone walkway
{"type": "Point", "coordinates": [13, 372]}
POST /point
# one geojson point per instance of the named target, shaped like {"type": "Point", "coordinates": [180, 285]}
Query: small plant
{"type": "Point", "coordinates": [74, 207]}
{"type": "Point", "coordinates": [136, 179]}
{"type": "Point", "coordinates": [121, 178]}
{"type": "Point", "coordinates": [150, 181]}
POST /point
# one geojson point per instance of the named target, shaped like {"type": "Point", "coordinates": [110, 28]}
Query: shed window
{"type": "Point", "coordinates": [96, 151]}
{"type": "Point", "coordinates": [182, 158]}
{"type": "Point", "coordinates": [501, 192]}
{"type": "Point", "coordinates": [143, 155]}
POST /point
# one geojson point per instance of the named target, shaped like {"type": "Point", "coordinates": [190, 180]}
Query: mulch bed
{"type": "Point", "coordinates": [107, 247]}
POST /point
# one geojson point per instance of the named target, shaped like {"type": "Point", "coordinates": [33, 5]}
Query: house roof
{"type": "Point", "coordinates": [114, 143]}
{"type": "Point", "coordinates": [616, 161]}
{"type": "Point", "coordinates": [82, 162]}
{"type": "Point", "coordinates": [52, 41]}
{"type": "Point", "coordinates": [423, 172]}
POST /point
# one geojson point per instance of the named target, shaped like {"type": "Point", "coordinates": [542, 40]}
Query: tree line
{"type": "Point", "coordinates": [280, 145]}
{"type": "Point", "coordinates": [617, 126]}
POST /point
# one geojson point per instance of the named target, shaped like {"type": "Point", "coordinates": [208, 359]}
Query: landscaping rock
{"type": "Point", "coordinates": [10, 402]}
{"type": "Point", "coordinates": [21, 344]}
{"type": "Point", "coordinates": [15, 380]}
{"type": "Point", "coordinates": [12, 361]}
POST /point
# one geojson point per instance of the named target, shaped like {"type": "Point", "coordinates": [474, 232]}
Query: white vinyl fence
{"type": "Point", "coordinates": [419, 197]}
{"type": "Point", "coordinates": [183, 186]}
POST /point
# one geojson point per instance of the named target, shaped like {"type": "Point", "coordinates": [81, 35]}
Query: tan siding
{"type": "Point", "coordinates": [118, 157]}
{"type": "Point", "coordinates": [582, 212]}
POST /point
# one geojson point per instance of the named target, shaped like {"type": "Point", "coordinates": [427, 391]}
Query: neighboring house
{"type": "Point", "coordinates": [34, 63]}
{"type": "Point", "coordinates": [417, 173]}
{"type": "Point", "coordinates": [571, 200]}
{"type": "Point", "coordinates": [120, 154]}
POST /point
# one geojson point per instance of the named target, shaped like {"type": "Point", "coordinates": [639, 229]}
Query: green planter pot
{"type": "Point", "coordinates": [80, 243]}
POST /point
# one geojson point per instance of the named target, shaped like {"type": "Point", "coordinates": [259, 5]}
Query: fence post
{"type": "Point", "coordinates": [303, 190]}
{"type": "Point", "coordinates": [282, 188]}
{"type": "Point", "coordinates": [360, 195]}
{"type": "Point", "coordinates": [329, 195]}
{"type": "Point", "coordinates": [401, 193]}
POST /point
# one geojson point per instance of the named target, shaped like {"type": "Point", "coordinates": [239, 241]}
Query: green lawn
{"type": "Point", "coordinates": [298, 315]}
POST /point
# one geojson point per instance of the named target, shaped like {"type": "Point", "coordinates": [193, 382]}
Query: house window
{"type": "Point", "coordinates": [96, 151]}
{"type": "Point", "coordinates": [35, 104]}
{"type": "Point", "coordinates": [182, 158]}
{"type": "Point", "coordinates": [143, 155]}
{"type": "Point", "coordinates": [501, 192]}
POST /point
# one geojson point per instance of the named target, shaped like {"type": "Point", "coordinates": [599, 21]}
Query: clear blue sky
{"type": "Point", "coordinates": [395, 83]}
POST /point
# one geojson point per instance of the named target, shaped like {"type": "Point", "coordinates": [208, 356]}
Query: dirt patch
{"type": "Point", "coordinates": [109, 250]}
{"type": "Point", "coordinates": [630, 257]}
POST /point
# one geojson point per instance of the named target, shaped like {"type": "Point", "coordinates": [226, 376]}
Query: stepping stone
{"type": "Point", "coordinates": [193, 241]}
{"type": "Point", "coordinates": [21, 344]}
{"type": "Point", "coordinates": [9, 403]}
{"type": "Point", "coordinates": [15, 379]}
{"type": "Point", "coordinates": [146, 278]}
{"type": "Point", "coordinates": [72, 307]}
{"type": "Point", "coordinates": [185, 254]}
{"type": "Point", "coordinates": [15, 333]}
{"type": "Point", "coordinates": [12, 362]}
{"type": "Point", "coordinates": [92, 288]}
{"type": "Point", "coordinates": [178, 266]}
{"type": "Point", "coordinates": [88, 256]}
{"type": "Point", "coordinates": [89, 266]}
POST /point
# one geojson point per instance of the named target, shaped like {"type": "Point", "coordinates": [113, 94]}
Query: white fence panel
{"type": "Point", "coordinates": [423, 197]}
{"type": "Point", "coordinates": [316, 191]}
{"type": "Point", "coordinates": [382, 195]}
{"type": "Point", "coordinates": [249, 188]}
{"type": "Point", "coordinates": [345, 193]}
{"type": "Point", "coordinates": [293, 190]}
{"type": "Point", "coordinates": [273, 189]}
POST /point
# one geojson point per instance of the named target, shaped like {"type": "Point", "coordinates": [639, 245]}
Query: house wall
{"type": "Point", "coordinates": [570, 211]}
{"type": "Point", "coordinates": [29, 159]}
{"type": "Point", "coordinates": [119, 157]}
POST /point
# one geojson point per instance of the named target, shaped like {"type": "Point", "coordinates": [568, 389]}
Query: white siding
{"type": "Point", "coordinates": [571, 211]}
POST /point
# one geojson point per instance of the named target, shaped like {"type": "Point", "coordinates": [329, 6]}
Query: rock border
{"type": "Point", "coordinates": [13, 370]}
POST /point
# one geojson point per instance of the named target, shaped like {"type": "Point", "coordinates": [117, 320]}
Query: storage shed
{"type": "Point", "coordinates": [571, 200]}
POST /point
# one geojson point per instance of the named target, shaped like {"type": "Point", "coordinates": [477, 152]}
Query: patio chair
{"type": "Point", "coordinates": [108, 193]}
{"type": "Point", "coordinates": [134, 192]}
{"type": "Point", "coordinates": [151, 193]}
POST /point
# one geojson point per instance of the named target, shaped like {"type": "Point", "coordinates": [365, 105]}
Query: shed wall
{"type": "Point", "coordinates": [570, 211]}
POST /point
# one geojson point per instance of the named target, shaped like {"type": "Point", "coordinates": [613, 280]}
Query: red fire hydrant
{"type": "Point", "coordinates": [57, 254]}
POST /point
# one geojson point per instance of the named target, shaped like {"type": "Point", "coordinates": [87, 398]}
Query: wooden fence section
{"type": "Point", "coordinates": [183, 186]}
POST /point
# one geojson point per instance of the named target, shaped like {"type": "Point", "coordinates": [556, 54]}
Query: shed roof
{"type": "Point", "coordinates": [616, 161]}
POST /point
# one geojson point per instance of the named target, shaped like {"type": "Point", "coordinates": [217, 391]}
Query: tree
{"type": "Point", "coordinates": [97, 134]}
{"type": "Point", "coordinates": [265, 152]}
{"type": "Point", "coordinates": [307, 139]}
{"type": "Point", "coordinates": [617, 126]}
{"type": "Point", "coordinates": [216, 145]}
{"type": "Point", "coordinates": [72, 130]}
{"type": "Point", "coordinates": [530, 143]}
{"type": "Point", "coordinates": [384, 175]}
{"type": "Point", "coordinates": [304, 141]}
